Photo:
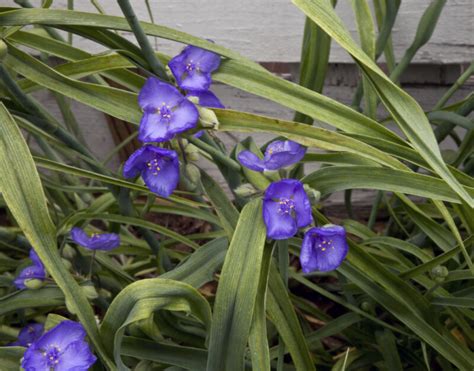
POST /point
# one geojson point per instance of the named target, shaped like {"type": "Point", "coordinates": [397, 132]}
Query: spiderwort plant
{"type": "Point", "coordinates": [286, 208]}
{"type": "Point", "coordinates": [192, 68]}
{"type": "Point", "coordinates": [166, 112]}
{"type": "Point", "coordinates": [159, 168]}
{"type": "Point", "coordinates": [59, 349]}
{"type": "Point", "coordinates": [278, 154]}
{"type": "Point", "coordinates": [323, 249]}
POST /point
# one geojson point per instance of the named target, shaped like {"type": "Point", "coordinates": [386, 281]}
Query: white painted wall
{"type": "Point", "coordinates": [271, 30]}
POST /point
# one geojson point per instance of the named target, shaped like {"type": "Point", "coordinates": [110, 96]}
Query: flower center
{"type": "Point", "coordinates": [191, 67]}
{"type": "Point", "coordinates": [287, 205]}
{"type": "Point", "coordinates": [52, 357]}
{"type": "Point", "coordinates": [165, 112]}
{"type": "Point", "coordinates": [325, 244]}
{"type": "Point", "coordinates": [153, 166]}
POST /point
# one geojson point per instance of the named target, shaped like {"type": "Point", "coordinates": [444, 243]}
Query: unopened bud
{"type": "Point", "coordinates": [313, 194]}
{"type": "Point", "coordinates": [90, 292]}
{"type": "Point", "coordinates": [192, 152]}
{"type": "Point", "coordinates": [67, 264]}
{"type": "Point", "coordinates": [3, 50]}
{"type": "Point", "coordinates": [33, 283]}
{"type": "Point", "coordinates": [192, 173]}
{"type": "Point", "coordinates": [439, 273]}
{"type": "Point", "coordinates": [68, 252]}
{"type": "Point", "coordinates": [208, 118]}
{"type": "Point", "coordinates": [245, 190]}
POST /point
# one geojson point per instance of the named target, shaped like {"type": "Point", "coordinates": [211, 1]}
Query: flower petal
{"type": "Point", "coordinates": [282, 189]}
{"type": "Point", "coordinates": [165, 180]}
{"type": "Point", "coordinates": [208, 61]}
{"type": "Point", "coordinates": [33, 360]}
{"type": "Point", "coordinates": [62, 335]}
{"type": "Point", "coordinates": [184, 117]}
{"type": "Point", "coordinates": [251, 161]}
{"type": "Point", "coordinates": [136, 163]}
{"type": "Point", "coordinates": [79, 236]}
{"type": "Point", "coordinates": [29, 334]}
{"type": "Point", "coordinates": [76, 357]}
{"type": "Point", "coordinates": [35, 258]}
{"type": "Point", "coordinates": [154, 93]}
{"type": "Point", "coordinates": [206, 99]}
{"type": "Point", "coordinates": [304, 215]}
{"type": "Point", "coordinates": [279, 226]}
{"type": "Point", "coordinates": [153, 128]}
{"type": "Point", "coordinates": [323, 249]}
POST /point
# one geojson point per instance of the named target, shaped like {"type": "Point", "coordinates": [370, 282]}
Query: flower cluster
{"type": "Point", "coordinates": [32, 273]}
{"type": "Point", "coordinates": [286, 208]}
{"type": "Point", "coordinates": [61, 348]}
{"type": "Point", "coordinates": [167, 112]}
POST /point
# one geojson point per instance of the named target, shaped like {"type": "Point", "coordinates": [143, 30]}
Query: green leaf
{"type": "Point", "coordinates": [11, 357]}
{"type": "Point", "coordinates": [21, 188]}
{"type": "Point", "coordinates": [282, 314]}
{"type": "Point", "coordinates": [237, 291]}
{"type": "Point", "coordinates": [307, 135]}
{"type": "Point", "coordinates": [332, 179]}
{"type": "Point", "coordinates": [403, 108]}
{"type": "Point", "coordinates": [139, 300]}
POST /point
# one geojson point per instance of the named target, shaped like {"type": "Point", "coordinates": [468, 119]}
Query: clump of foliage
{"type": "Point", "coordinates": [92, 275]}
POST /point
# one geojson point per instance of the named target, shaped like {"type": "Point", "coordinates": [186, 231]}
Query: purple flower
{"type": "Point", "coordinates": [29, 334]}
{"type": "Point", "coordinates": [286, 208]}
{"type": "Point", "coordinates": [206, 99]}
{"type": "Point", "coordinates": [159, 168]}
{"type": "Point", "coordinates": [323, 249]}
{"type": "Point", "coordinates": [165, 112]}
{"type": "Point", "coordinates": [61, 348]}
{"type": "Point", "coordinates": [277, 155]}
{"type": "Point", "coordinates": [34, 271]}
{"type": "Point", "coordinates": [98, 241]}
{"type": "Point", "coordinates": [192, 68]}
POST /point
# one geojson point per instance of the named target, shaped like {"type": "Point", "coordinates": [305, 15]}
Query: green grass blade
{"type": "Point", "coordinates": [236, 293]}
{"type": "Point", "coordinates": [21, 188]}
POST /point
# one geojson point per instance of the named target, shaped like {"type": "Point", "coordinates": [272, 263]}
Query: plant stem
{"type": "Point", "coordinates": [150, 56]}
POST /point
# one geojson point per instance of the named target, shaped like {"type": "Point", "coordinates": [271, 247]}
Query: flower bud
{"type": "Point", "coordinates": [192, 173]}
{"type": "Point", "coordinates": [208, 118]}
{"type": "Point", "coordinates": [90, 292]}
{"type": "Point", "coordinates": [67, 264]}
{"type": "Point", "coordinates": [68, 252]}
{"type": "Point", "coordinates": [34, 284]}
{"type": "Point", "coordinates": [245, 190]}
{"type": "Point", "coordinates": [439, 273]}
{"type": "Point", "coordinates": [192, 152]}
{"type": "Point", "coordinates": [313, 195]}
{"type": "Point", "coordinates": [3, 50]}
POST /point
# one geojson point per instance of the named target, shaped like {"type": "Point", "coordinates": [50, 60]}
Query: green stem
{"type": "Point", "coordinates": [375, 209]}
{"type": "Point", "coordinates": [216, 154]}
{"type": "Point", "coordinates": [150, 56]}
{"type": "Point", "coordinates": [459, 82]}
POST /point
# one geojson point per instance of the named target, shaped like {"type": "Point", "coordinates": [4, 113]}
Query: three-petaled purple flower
{"type": "Point", "coordinates": [61, 348]}
{"type": "Point", "coordinates": [324, 248]}
{"type": "Point", "coordinates": [29, 334]}
{"type": "Point", "coordinates": [35, 271]}
{"type": "Point", "coordinates": [280, 153]}
{"type": "Point", "coordinates": [166, 112]}
{"type": "Point", "coordinates": [97, 241]}
{"type": "Point", "coordinates": [286, 208]}
{"type": "Point", "coordinates": [159, 168]}
{"type": "Point", "coordinates": [192, 68]}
